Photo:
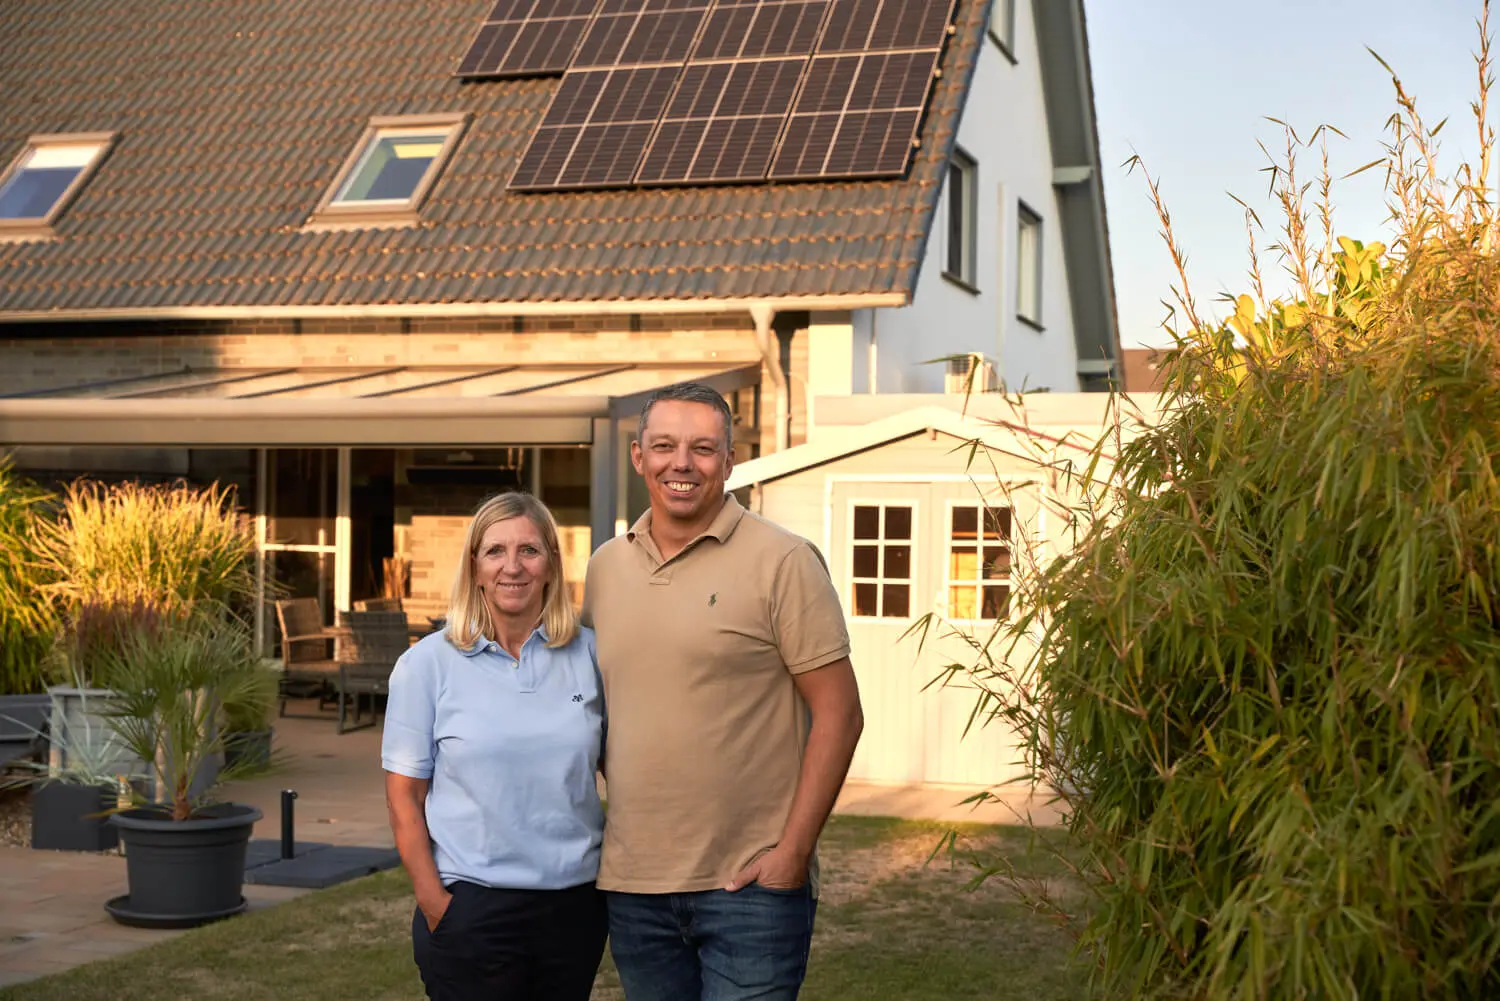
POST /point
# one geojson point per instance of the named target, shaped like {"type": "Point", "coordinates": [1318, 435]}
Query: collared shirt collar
{"type": "Point", "coordinates": [721, 528]}
{"type": "Point", "coordinates": [484, 643]}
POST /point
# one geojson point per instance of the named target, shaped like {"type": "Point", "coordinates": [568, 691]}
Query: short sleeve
{"type": "Point", "coordinates": [406, 746]}
{"type": "Point", "coordinates": [805, 613]}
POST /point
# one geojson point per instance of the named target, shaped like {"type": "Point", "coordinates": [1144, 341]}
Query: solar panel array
{"type": "Point", "coordinates": [717, 91]}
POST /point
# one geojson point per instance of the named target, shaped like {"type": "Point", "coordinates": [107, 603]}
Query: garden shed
{"type": "Point", "coordinates": [932, 504]}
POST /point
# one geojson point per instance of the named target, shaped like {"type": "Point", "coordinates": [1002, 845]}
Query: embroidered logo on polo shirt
{"type": "Point", "coordinates": [713, 599]}
{"type": "Point", "coordinates": [578, 698]}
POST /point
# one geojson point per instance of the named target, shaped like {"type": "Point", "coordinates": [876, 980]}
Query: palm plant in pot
{"type": "Point", "coordinates": [184, 849]}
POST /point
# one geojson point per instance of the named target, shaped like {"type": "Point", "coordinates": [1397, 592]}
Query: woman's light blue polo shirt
{"type": "Point", "coordinates": [511, 749]}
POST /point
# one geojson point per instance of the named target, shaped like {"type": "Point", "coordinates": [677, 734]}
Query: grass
{"type": "Point", "coordinates": [890, 925]}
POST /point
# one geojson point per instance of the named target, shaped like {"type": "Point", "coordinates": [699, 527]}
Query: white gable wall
{"type": "Point", "coordinates": [1004, 129]}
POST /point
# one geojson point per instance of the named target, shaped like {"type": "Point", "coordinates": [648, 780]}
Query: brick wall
{"type": "Point", "coordinates": [37, 356]}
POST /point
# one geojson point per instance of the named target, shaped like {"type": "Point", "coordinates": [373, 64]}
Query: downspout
{"type": "Point", "coordinates": [770, 352]}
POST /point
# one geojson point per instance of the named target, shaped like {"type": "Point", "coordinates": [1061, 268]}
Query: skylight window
{"type": "Point", "coordinates": [40, 182]}
{"type": "Point", "coordinates": [390, 171]}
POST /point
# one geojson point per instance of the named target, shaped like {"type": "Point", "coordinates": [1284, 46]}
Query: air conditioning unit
{"type": "Point", "coordinates": [971, 373]}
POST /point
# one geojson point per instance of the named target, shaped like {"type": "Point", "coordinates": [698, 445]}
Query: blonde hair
{"type": "Point", "coordinates": [469, 614]}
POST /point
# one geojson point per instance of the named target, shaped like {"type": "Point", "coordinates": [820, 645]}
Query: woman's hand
{"type": "Point", "coordinates": [434, 909]}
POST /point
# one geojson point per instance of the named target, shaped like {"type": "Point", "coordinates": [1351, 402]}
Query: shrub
{"type": "Point", "coordinates": [120, 555]}
{"type": "Point", "coordinates": [1266, 682]}
{"type": "Point", "coordinates": [27, 621]}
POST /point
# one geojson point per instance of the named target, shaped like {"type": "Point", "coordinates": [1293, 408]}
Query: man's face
{"type": "Point", "coordinates": [683, 455]}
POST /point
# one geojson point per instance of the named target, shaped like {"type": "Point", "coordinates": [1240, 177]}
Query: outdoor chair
{"type": "Point", "coordinates": [378, 605]}
{"type": "Point", "coordinates": [368, 646]}
{"type": "Point", "coordinates": [308, 668]}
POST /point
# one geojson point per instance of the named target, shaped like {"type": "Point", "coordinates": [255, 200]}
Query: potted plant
{"type": "Point", "coordinates": [247, 723]}
{"type": "Point", "coordinates": [77, 785]}
{"type": "Point", "coordinates": [184, 850]}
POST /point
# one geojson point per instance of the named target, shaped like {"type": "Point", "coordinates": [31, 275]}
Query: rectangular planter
{"type": "Point", "coordinates": [61, 821]}
{"type": "Point", "coordinates": [78, 712]}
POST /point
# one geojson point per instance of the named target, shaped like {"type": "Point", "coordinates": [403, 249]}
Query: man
{"type": "Point", "coordinates": [733, 714]}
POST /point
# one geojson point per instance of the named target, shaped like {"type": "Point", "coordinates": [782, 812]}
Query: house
{"type": "Point", "coordinates": [939, 506]}
{"type": "Point", "coordinates": [370, 262]}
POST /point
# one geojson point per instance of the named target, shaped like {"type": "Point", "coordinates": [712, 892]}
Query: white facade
{"type": "Point", "coordinates": [1004, 131]}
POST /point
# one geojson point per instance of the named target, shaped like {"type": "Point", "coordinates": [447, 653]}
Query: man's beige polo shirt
{"type": "Point", "coordinates": [705, 726]}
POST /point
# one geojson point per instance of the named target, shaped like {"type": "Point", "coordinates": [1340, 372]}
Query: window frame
{"type": "Point", "coordinates": [977, 583]}
{"type": "Point", "coordinates": [963, 166]}
{"type": "Point", "coordinates": [40, 227]}
{"type": "Point", "coordinates": [331, 214]}
{"type": "Point", "coordinates": [851, 578]}
{"type": "Point", "coordinates": [1026, 217]}
{"type": "Point", "coordinates": [1004, 37]}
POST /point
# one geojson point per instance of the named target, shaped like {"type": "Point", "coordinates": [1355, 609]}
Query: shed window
{"type": "Point", "coordinates": [978, 572]}
{"type": "Point", "coordinates": [881, 560]}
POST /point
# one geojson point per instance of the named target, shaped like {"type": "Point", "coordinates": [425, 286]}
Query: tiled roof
{"type": "Point", "coordinates": [234, 116]}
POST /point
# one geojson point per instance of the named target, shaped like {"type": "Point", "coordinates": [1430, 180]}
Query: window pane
{"type": "Point", "coordinates": [996, 561]}
{"type": "Point", "coordinates": [867, 522]}
{"type": "Point", "coordinates": [898, 523]}
{"type": "Point", "coordinates": [1029, 266]}
{"type": "Point", "coordinates": [897, 601]}
{"type": "Point", "coordinates": [963, 563]}
{"type": "Point", "coordinates": [31, 192]}
{"type": "Point", "coordinates": [961, 602]}
{"type": "Point", "coordinates": [864, 599]}
{"type": "Point", "coordinates": [867, 561]}
{"type": "Point", "coordinates": [996, 601]}
{"type": "Point", "coordinates": [957, 197]}
{"type": "Point", "coordinates": [897, 563]}
{"type": "Point", "coordinates": [392, 169]}
{"type": "Point", "coordinates": [965, 522]}
{"type": "Point", "coordinates": [997, 523]}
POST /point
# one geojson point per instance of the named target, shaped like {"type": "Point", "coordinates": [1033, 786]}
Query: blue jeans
{"type": "Point", "coordinates": [713, 945]}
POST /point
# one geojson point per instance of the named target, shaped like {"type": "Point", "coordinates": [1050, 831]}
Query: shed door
{"type": "Point", "coordinates": [877, 560]}
{"type": "Point", "coordinates": [897, 552]}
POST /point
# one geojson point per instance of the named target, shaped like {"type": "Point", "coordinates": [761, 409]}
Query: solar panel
{"type": "Point", "coordinates": [748, 29]}
{"type": "Point", "coordinates": [723, 122]}
{"type": "Point", "coordinates": [864, 91]}
{"type": "Point", "coordinates": [640, 32]}
{"type": "Point", "coordinates": [596, 129]}
{"type": "Point", "coordinates": [527, 38]}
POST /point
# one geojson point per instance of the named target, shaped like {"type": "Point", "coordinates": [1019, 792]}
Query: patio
{"type": "Point", "coordinates": [53, 916]}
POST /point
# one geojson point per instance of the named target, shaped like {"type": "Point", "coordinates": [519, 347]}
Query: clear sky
{"type": "Point", "coordinates": [1188, 84]}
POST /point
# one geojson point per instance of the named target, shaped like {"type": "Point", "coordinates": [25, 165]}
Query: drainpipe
{"type": "Point", "coordinates": [770, 352]}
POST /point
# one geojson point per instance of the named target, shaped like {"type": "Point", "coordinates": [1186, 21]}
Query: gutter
{"type": "Point", "coordinates": [764, 316]}
{"type": "Point", "coordinates": [459, 310]}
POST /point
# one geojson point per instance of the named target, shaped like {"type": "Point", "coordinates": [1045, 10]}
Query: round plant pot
{"type": "Point", "coordinates": [183, 873]}
{"type": "Point", "coordinates": [248, 747]}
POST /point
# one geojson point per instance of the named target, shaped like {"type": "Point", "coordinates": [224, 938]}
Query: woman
{"type": "Point", "coordinates": [493, 733]}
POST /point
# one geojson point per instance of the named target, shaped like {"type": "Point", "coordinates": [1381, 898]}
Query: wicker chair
{"type": "Point", "coordinates": [369, 644]}
{"type": "Point", "coordinates": [305, 655]}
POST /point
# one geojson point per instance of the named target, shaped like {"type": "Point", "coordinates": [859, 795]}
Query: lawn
{"type": "Point", "coordinates": [891, 925]}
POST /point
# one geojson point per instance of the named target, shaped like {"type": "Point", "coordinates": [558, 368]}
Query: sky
{"type": "Point", "coordinates": [1187, 85]}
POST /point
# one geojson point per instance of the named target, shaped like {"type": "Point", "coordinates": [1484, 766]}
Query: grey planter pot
{"type": "Point", "coordinates": [183, 873]}
{"type": "Point", "coordinates": [66, 817]}
{"type": "Point", "coordinates": [250, 747]}
{"type": "Point", "coordinates": [78, 713]}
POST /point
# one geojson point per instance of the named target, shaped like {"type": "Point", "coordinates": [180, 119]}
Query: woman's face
{"type": "Point", "coordinates": [512, 569]}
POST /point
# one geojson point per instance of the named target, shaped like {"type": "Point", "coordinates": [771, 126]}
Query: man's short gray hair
{"type": "Point", "coordinates": [690, 392]}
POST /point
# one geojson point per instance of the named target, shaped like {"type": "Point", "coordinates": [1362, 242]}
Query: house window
{"type": "Point", "coordinates": [1002, 26]}
{"type": "Point", "coordinates": [1029, 267]}
{"type": "Point", "coordinates": [38, 185]}
{"type": "Point", "coordinates": [962, 216]}
{"type": "Point", "coordinates": [390, 171]}
{"type": "Point", "coordinates": [881, 561]}
{"type": "Point", "coordinates": [978, 584]}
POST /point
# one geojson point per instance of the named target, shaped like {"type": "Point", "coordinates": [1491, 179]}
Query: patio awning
{"type": "Point", "coordinates": [371, 406]}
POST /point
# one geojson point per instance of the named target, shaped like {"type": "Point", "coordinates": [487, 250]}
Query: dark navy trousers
{"type": "Point", "coordinates": [512, 945]}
